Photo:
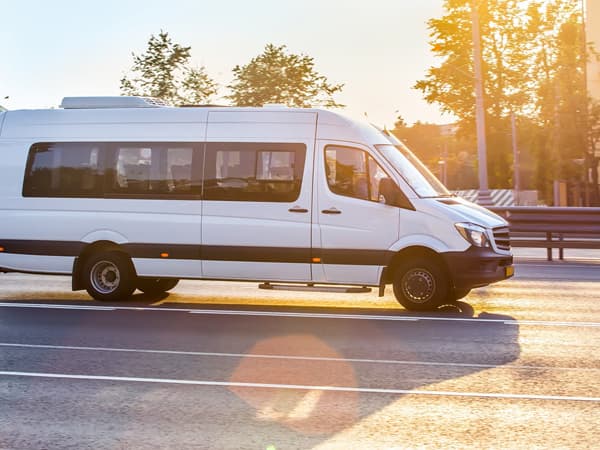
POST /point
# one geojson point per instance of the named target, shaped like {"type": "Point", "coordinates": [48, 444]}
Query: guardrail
{"type": "Point", "coordinates": [549, 228]}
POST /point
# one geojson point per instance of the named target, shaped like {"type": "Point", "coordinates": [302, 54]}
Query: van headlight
{"type": "Point", "coordinates": [474, 234]}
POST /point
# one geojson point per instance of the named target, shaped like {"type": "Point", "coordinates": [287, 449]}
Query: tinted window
{"type": "Point", "coordinates": [64, 170]}
{"type": "Point", "coordinates": [153, 170]}
{"type": "Point", "coordinates": [353, 173]}
{"type": "Point", "coordinates": [97, 170]}
{"type": "Point", "coordinates": [253, 172]}
{"type": "Point", "coordinates": [236, 171]}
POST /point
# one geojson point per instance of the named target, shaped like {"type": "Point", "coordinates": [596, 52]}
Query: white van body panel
{"type": "Point", "coordinates": [162, 268]}
{"type": "Point", "coordinates": [465, 211]}
{"type": "Point", "coordinates": [261, 126]}
{"type": "Point", "coordinates": [104, 235]}
{"type": "Point", "coordinates": [12, 168]}
{"type": "Point", "coordinates": [52, 265]}
{"type": "Point", "coordinates": [337, 127]}
{"type": "Point", "coordinates": [147, 124]}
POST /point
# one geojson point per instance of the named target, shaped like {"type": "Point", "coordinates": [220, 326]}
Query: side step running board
{"type": "Point", "coordinates": [313, 288]}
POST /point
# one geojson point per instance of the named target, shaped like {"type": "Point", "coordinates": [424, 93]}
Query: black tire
{"type": "Point", "coordinates": [156, 285]}
{"type": "Point", "coordinates": [457, 294]}
{"type": "Point", "coordinates": [421, 284]}
{"type": "Point", "coordinates": [109, 276]}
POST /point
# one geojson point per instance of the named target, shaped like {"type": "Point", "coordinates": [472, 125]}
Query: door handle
{"type": "Point", "coordinates": [297, 209]}
{"type": "Point", "coordinates": [332, 210]}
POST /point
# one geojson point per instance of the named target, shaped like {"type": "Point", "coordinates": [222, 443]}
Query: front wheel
{"type": "Point", "coordinates": [156, 285]}
{"type": "Point", "coordinates": [109, 276]}
{"type": "Point", "coordinates": [421, 285]}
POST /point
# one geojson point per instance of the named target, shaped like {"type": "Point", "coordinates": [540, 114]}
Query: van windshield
{"type": "Point", "coordinates": [414, 172]}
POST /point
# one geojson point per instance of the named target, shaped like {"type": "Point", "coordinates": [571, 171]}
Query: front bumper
{"type": "Point", "coordinates": [478, 267]}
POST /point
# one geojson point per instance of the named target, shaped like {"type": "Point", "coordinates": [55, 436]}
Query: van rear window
{"type": "Point", "coordinates": [64, 170]}
{"type": "Point", "coordinates": [114, 170]}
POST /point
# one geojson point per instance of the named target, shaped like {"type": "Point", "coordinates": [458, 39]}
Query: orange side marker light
{"type": "Point", "coordinates": [164, 255]}
{"type": "Point", "coordinates": [316, 260]}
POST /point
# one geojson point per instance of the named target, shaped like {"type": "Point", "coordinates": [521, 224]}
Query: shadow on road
{"type": "Point", "coordinates": [347, 352]}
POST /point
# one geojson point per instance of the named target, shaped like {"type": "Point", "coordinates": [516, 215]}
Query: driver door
{"type": "Point", "coordinates": [355, 228]}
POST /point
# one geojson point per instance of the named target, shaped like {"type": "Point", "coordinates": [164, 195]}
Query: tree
{"type": "Point", "coordinates": [562, 98]}
{"type": "Point", "coordinates": [197, 87]}
{"type": "Point", "coordinates": [163, 72]}
{"type": "Point", "coordinates": [276, 76]}
{"type": "Point", "coordinates": [506, 53]}
{"type": "Point", "coordinates": [533, 59]}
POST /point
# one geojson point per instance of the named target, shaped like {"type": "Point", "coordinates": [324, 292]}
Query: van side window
{"type": "Point", "coordinates": [152, 170]}
{"type": "Point", "coordinates": [253, 171]}
{"type": "Point", "coordinates": [64, 170]}
{"type": "Point", "coordinates": [99, 170]}
{"type": "Point", "coordinates": [353, 173]}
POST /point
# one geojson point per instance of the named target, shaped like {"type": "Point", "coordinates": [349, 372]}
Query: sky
{"type": "Point", "coordinates": [377, 48]}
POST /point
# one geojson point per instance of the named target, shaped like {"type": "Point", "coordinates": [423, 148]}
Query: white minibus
{"type": "Point", "coordinates": [123, 193]}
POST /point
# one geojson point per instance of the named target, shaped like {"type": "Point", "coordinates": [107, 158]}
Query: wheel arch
{"type": "Point", "coordinates": [413, 252]}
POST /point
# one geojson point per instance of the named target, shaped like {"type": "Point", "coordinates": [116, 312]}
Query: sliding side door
{"type": "Point", "coordinates": [257, 197]}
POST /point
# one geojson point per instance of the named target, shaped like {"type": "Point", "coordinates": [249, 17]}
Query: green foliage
{"type": "Point", "coordinates": [276, 76]}
{"type": "Point", "coordinates": [163, 72]}
{"type": "Point", "coordinates": [533, 59]}
{"type": "Point", "coordinates": [197, 87]}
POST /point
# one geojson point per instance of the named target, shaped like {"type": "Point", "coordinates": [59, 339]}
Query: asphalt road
{"type": "Point", "coordinates": [228, 366]}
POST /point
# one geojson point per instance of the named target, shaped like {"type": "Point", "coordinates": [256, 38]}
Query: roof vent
{"type": "Point", "coordinates": [111, 102]}
{"type": "Point", "coordinates": [275, 106]}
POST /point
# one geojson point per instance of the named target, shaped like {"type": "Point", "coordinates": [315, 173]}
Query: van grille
{"type": "Point", "coordinates": [502, 238]}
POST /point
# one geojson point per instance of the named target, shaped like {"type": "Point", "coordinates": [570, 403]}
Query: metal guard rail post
{"type": "Point", "coordinates": [549, 228]}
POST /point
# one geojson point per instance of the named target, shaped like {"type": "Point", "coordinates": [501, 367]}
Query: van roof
{"type": "Point", "coordinates": [142, 118]}
{"type": "Point", "coordinates": [111, 102]}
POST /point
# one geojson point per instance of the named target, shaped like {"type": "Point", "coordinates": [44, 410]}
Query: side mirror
{"type": "Point", "coordinates": [392, 195]}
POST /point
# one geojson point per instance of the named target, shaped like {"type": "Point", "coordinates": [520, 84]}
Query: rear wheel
{"type": "Point", "coordinates": [156, 285]}
{"type": "Point", "coordinates": [109, 276]}
{"type": "Point", "coordinates": [421, 285]}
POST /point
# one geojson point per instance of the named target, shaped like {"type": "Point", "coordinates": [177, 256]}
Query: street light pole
{"type": "Point", "coordinates": [516, 165]}
{"type": "Point", "coordinates": [483, 198]}
{"type": "Point", "coordinates": [592, 194]}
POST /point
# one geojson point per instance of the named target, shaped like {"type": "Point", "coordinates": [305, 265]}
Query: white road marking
{"type": "Point", "coordinates": [300, 387]}
{"type": "Point", "coordinates": [225, 312]}
{"type": "Point", "coordinates": [593, 264]}
{"type": "Point", "coordinates": [294, 357]}
{"type": "Point", "coordinates": [218, 312]}
{"type": "Point", "coordinates": [56, 306]}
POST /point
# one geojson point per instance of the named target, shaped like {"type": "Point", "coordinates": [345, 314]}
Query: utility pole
{"type": "Point", "coordinates": [588, 156]}
{"type": "Point", "coordinates": [516, 165]}
{"type": "Point", "coordinates": [483, 198]}
{"type": "Point", "coordinates": [592, 193]}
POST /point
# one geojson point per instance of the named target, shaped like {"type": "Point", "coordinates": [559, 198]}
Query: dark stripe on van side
{"type": "Point", "coordinates": [209, 252]}
{"type": "Point", "coordinates": [42, 248]}
{"type": "Point", "coordinates": [355, 257]}
{"type": "Point", "coordinates": [175, 251]}
{"type": "Point", "coordinates": [256, 254]}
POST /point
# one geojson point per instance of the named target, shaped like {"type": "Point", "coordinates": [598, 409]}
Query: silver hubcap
{"type": "Point", "coordinates": [105, 277]}
{"type": "Point", "coordinates": [418, 285]}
